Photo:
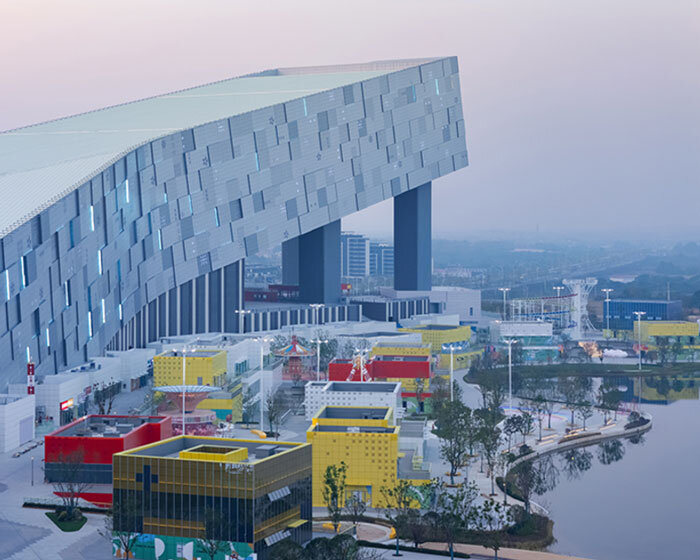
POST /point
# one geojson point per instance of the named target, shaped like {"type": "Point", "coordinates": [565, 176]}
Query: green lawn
{"type": "Point", "coordinates": [67, 526]}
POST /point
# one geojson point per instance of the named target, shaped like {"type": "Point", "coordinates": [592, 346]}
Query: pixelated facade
{"type": "Point", "coordinates": [133, 222]}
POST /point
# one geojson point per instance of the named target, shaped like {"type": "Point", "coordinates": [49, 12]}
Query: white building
{"type": "Point", "coordinates": [318, 394]}
{"type": "Point", "coordinates": [520, 329]}
{"type": "Point", "coordinates": [450, 300]}
{"type": "Point", "coordinates": [16, 420]}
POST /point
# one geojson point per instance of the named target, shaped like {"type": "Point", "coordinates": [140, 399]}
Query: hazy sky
{"type": "Point", "coordinates": [581, 115]}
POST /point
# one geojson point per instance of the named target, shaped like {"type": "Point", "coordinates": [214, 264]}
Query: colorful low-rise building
{"type": "Point", "coordinates": [685, 331]}
{"type": "Point", "coordinates": [318, 394]}
{"type": "Point", "coordinates": [438, 336]}
{"type": "Point", "coordinates": [261, 491]}
{"type": "Point", "coordinates": [363, 439]}
{"type": "Point", "coordinates": [202, 367]}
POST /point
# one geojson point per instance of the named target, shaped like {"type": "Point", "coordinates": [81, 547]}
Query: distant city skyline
{"type": "Point", "coordinates": [580, 118]}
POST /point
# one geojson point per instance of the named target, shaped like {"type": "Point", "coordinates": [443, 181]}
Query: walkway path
{"type": "Point", "coordinates": [504, 553]}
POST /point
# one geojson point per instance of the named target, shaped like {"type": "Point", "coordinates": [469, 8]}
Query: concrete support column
{"type": "Point", "coordinates": [413, 239]}
{"type": "Point", "coordinates": [290, 262]}
{"type": "Point", "coordinates": [234, 275]}
{"type": "Point", "coordinates": [319, 265]}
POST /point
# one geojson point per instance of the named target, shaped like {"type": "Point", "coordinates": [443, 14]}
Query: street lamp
{"type": "Point", "coordinates": [184, 382]}
{"type": "Point", "coordinates": [262, 341]}
{"type": "Point", "coordinates": [510, 342]}
{"type": "Point", "coordinates": [318, 342]}
{"type": "Point", "coordinates": [607, 300]}
{"type": "Point", "coordinates": [241, 321]}
{"type": "Point", "coordinates": [505, 292]}
{"type": "Point", "coordinates": [316, 307]}
{"type": "Point", "coordinates": [452, 348]}
{"type": "Point", "coordinates": [639, 335]}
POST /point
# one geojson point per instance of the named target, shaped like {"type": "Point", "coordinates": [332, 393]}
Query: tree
{"type": "Point", "coordinates": [676, 350]}
{"type": "Point", "coordinates": [584, 409]}
{"type": "Point", "coordinates": [122, 523]}
{"type": "Point", "coordinates": [608, 398]}
{"type": "Point", "coordinates": [399, 499]}
{"type": "Point", "coordinates": [451, 428]}
{"type": "Point", "coordinates": [355, 507]}
{"type": "Point", "coordinates": [492, 518]}
{"type": "Point", "coordinates": [215, 535]}
{"type": "Point", "coordinates": [104, 397]}
{"type": "Point", "coordinates": [525, 476]}
{"type": "Point", "coordinates": [490, 441]}
{"type": "Point", "coordinates": [275, 408]}
{"type": "Point", "coordinates": [333, 491]}
{"type": "Point", "coordinates": [539, 406]}
{"type": "Point", "coordinates": [250, 406]}
{"type": "Point", "coordinates": [511, 426]}
{"type": "Point", "coordinates": [417, 528]}
{"type": "Point", "coordinates": [492, 386]}
{"type": "Point", "coordinates": [663, 350]}
{"type": "Point", "coordinates": [526, 423]}
{"type": "Point", "coordinates": [575, 390]}
{"type": "Point", "coordinates": [453, 511]}
{"type": "Point", "coordinates": [69, 482]}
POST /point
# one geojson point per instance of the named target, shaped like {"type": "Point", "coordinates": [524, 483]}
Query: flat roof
{"type": "Point", "coordinates": [365, 387]}
{"type": "Point", "coordinates": [171, 447]}
{"type": "Point", "coordinates": [190, 354]}
{"type": "Point", "coordinates": [354, 412]}
{"type": "Point", "coordinates": [105, 426]}
{"type": "Point", "coordinates": [644, 300]}
{"type": "Point", "coordinates": [402, 344]}
{"type": "Point", "coordinates": [354, 429]}
{"type": "Point", "coordinates": [47, 161]}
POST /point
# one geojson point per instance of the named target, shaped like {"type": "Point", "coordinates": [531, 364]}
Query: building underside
{"type": "Point", "coordinates": [134, 221]}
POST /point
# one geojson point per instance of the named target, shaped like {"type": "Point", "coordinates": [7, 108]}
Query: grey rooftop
{"type": "Point", "coordinates": [46, 161]}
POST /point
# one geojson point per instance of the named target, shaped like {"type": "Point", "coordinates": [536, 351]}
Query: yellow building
{"type": "Point", "coordinates": [225, 402]}
{"type": "Point", "coordinates": [671, 329]}
{"type": "Point", "coordinates": [438, 335]}
{"type": "Point", "coordinates": [365, 440]}
{"type": "Point", "coordinates": [462, 359]}
{"type": "Point", "coordinates": [400, 349]}
{"type": "Point", "coordinates": [202, 367]}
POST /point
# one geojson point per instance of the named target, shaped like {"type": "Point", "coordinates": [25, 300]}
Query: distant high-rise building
{"type": "Point", "coordinates": [381, 259]}
{"type": "Point", "coordinates": [354, 255]}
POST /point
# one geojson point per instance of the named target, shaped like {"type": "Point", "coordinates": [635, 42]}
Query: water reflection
{"type": "Point", "coordinates": [543, 474]}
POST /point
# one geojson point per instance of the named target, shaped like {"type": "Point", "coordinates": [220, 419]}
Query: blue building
{"type": "Point", "coordinates": [622, 315]}
{"type": "Point", "coordinates": [381, 259]}
{"type": "Point", "coordinates": [130, 223]}
{"type": "Point", "coordinates": [354, 255]}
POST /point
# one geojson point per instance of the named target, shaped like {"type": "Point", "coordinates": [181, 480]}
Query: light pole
{"type": "Point", "coordinates": [639, 335]}
{"type": "Point", "coordinates": [510, 342]}
{"type": "Point", "coordinates": [505, 296]}
{"type": "Point", "coordinates": [184, 383]}
{"type": "Point", "coordinates": [316, 307]}
{"type": "Point", "coordinates": [318, 343]}
{"type": "Point", "coordinates": [262, 340]}
{"type": "Point", "coordinates": [241, 321]}
{"type": "Point", "coordinates": [607, 301]}
{"type": "Point", "coordinates": [452, 348]}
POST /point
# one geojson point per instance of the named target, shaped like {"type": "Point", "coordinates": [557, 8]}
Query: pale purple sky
{"type": "Point", "coordinates": [581, 115]}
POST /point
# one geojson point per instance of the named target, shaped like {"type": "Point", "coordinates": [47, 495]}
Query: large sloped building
{"type": "Point", "coordinates": [132, 222]}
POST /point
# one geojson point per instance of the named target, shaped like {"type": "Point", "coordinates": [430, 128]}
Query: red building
{"type": "Point", "coordinates": [92, 440]}
{"type": "Point", "coordinates": [403, 369]}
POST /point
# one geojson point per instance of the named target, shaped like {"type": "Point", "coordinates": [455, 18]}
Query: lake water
{"type": "Point", "coordinates": [644, 506]}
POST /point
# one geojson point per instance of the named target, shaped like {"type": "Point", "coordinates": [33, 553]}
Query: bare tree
{"type": "Point", "coordinates": [275, 408]}
{"type": "Point", "coordinates": [355, 506]}
{"type": "Point", "coordinates": [399, 501]}
{"type": "Point", "coordinates": [492, 518]}
{"type": "Point", "coordinates": [215, 538]}
{"type": "Point", "coordinates": [122, 523]}
{"type": "Point", "coordinates": [69, 481]}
